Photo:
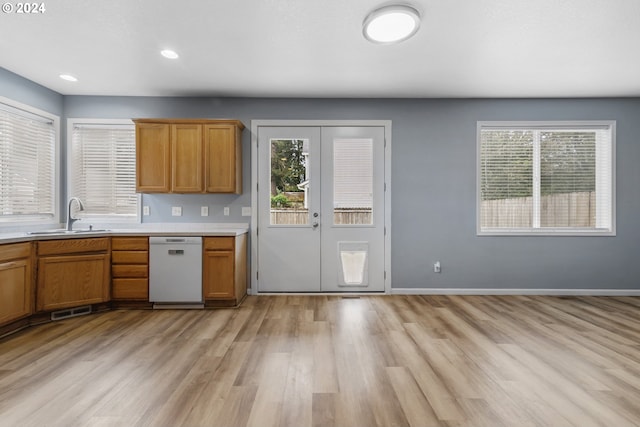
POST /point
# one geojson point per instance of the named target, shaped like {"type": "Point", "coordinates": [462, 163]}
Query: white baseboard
{"type": "Point", "coordinates": [489, 291]}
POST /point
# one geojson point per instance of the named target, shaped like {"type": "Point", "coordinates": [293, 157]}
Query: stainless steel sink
{"type": "Point", "coordinates": [63, 231]}
{"type": "Point", "coordinates": [45, 232]}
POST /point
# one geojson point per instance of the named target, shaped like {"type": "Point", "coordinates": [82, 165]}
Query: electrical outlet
{"type": "Point", "coordinates": [176, 210]}
{"type": "Point", "coordinates": [226, 211]}
{"type": "Point", "coordinates": [436, 267]}
{"type": "Point", "coordinates": [204, 211]}
{"type": "Point", "coordinates": [145, 211]}
{"type": "Point", "coordinates": [246, 211]}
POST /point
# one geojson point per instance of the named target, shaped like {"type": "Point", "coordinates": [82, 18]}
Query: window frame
{"type": "Point", "coordinates": [16, 224]}
{"type": "Point", "coordinates": [102, 219]}
{"type": "Point", "coordinates": [539, 125]}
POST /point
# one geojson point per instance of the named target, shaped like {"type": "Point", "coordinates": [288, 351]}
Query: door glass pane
{"type": "Point", "coordinates": [289, 181]}
{"type": "Point", "coordinates": [352, 181]}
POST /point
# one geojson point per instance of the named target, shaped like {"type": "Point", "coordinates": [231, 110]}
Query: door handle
{"type": "Point", "coordinates": [315, 224]}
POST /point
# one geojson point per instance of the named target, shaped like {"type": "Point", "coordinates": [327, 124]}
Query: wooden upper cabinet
{"type": "Point", "coordinates": [186, 156]}
{"type": "Point", "coordinates": [189, 156]}
{"type": "Point", "coordinates": [153, 158]}
{"type": "Point", "coordinates": [223, 154]}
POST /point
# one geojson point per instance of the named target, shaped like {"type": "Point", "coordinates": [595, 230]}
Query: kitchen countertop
{"type": "Point", "coordinates": [148, 229]}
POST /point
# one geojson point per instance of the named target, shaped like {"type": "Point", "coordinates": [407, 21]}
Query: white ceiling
{"type": "Point", "coordinates": [315, 48]}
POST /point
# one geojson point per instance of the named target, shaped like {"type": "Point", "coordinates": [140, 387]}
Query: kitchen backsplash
{"type": "Point", "coordinates": [161, 207]}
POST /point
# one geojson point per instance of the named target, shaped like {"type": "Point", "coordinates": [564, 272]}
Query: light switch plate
{"type": "Point", "coordinates": [246, 211]}
{"type": "Point", "coordinates": [145, 211]}
{"type": "Point", "coordinates": [226, 211]}
{"type": "Point", "coordinates": [176, 210]}
{"type": "Point", "coordinates": [204, 211]}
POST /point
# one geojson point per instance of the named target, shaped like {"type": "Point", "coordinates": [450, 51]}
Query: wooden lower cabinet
{"type": "Point", "coordinates": [224, 276]}
{"type": "Point", "coordinates": [16, 282]}
{"type": "Point", "coordinates": [130, 268]}
{"type": "Point", "coordinates": [72, 272]}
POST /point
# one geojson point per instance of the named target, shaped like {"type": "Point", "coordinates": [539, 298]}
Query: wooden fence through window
{"type": "Point", "coordinates": [301, 216]}
{"type": "Point", "coordinates": [556, 210]}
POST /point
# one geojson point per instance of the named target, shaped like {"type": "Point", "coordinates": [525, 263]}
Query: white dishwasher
{"type": "Point", "coordinates": [175, 271]}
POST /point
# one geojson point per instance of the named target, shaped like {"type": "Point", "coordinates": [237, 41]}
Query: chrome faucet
{"type": "Point", "coordinates": [71, 220]}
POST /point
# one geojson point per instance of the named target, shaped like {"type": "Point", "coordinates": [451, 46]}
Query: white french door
{"type": "Point", "coordinates": [320, 208]}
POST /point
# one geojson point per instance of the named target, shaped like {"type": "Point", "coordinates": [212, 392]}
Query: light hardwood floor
{"type": "Point", "coordinates": [332, 361]}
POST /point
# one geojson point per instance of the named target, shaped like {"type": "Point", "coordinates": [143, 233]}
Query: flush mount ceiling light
{"type": "Point", "coordinates": [391, 24]}
{"type": "Point", "coordinates": [68, 77]}
{"type": "Point", "coordinates": [167, 53]}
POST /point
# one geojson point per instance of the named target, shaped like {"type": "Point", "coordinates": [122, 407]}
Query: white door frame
{"type": "Point", "coordinates": [255, 124]}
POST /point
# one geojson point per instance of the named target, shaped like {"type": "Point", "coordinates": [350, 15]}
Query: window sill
{"type": "Point", "coordinates": [559, 232]}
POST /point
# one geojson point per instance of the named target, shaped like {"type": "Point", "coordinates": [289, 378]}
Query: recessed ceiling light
{"type": "Point", "coordinates": [391, 24]}
{"type": "Point", "coordinates": [167, 53]}
{"type": "Point", "coordinates": [68, 77]}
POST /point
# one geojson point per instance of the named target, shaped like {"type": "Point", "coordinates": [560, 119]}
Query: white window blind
{"type": "Point", "coordinates": [102, 170]}
{"type": "Point", "coordinates": [27, 165]}
{"type": "Point", "coordinates": [546, 178]}
{"type": "Point", "coordinates": [353, 173]}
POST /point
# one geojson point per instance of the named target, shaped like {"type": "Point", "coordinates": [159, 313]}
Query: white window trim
{"type": "Point", "coordinates": [22, 225]}
{"type": "Point", "coordinates": [70, 124]}
{"type": "Point", "coordinates": [539, 125]}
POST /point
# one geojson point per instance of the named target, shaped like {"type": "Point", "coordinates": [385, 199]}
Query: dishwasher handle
{"type": "Point", "coordinates": [171, 240]}
{"type": "Point", "coordinates": [175, 251]}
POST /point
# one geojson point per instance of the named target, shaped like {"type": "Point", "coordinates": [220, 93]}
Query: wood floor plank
{"type": "Point", "coordinates": [323, 412]}
{"type": "Point", "coordinates": [267, 408]}
{"type": "Point", "coordinates": [413, 402]}
{"type": "Point", "coordinates": [451, 361]}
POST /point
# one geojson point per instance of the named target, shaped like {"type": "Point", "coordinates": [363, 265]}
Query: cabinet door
{"type": "Point", "coordinates": [72, 280]}
{"type": "Point", "coordinates": [218, 275]}
{"type": "Point", "coordinates": [223, 159]}
{"type": "Point", "coordinates": [15, 290]}
{"type": "Point", "coordinates": [186, 157]}
{"type": "Point", "coordinates": [153, 161]}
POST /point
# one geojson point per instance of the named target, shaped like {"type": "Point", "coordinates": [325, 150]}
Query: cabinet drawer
{"type": "Point", "coordinates": [219, 243]}
{"type": "Point", "coordinates": [73, 246]}
{"type": "Point", "coordinates": [129, 271]}
{"type": "Point", "coordinates": [130, 243]}
{"type": "Point", "coordinates": [130, 289]}
{"type": "Point", "coordinates": [130, 257]}
{"type": "Point", "coordinates": [15, 251]}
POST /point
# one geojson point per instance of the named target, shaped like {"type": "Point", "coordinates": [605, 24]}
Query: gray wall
{"type": "Point", "coordinates": [433, 185]}
{"type": "Point", "coordinates": [19, 89]}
